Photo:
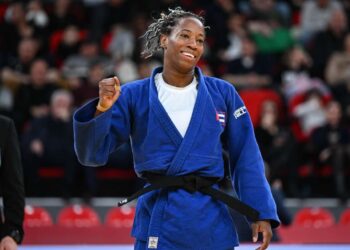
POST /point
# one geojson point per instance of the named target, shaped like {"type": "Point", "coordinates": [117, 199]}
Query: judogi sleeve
{"type": "Point", "coordinates": [96, 137]}
{"type": "Point", "coordinates": [246, 163]}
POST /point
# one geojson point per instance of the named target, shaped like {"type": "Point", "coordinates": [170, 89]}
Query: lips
{"type": "Point", "coordinates": [189, 55]}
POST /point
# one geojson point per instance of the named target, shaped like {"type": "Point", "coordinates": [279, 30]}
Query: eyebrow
{"type": "Point", "coordinates": [191, 31]}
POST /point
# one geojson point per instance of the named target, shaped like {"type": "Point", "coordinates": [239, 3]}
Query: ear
{"type": "Point", "coordinates": [163, 41]}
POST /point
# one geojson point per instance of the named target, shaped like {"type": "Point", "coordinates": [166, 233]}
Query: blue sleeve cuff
{"type": "Point", "coordinates": [85, 116]}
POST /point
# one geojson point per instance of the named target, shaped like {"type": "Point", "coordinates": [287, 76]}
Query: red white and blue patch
{"type": "Point", "coordinates": [221, 117]}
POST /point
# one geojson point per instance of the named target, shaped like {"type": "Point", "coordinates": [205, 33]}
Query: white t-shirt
{"type": "Point", "coordinates": [177, 102]}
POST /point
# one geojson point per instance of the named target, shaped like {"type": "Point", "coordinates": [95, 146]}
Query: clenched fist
{"type": "Point", "coordinates": [109, 91]}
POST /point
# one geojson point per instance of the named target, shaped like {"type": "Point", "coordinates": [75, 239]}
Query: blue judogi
{"type": "Point", "coordinates": [178, 219]}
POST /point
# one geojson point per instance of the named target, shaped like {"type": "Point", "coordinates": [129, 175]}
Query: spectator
{"type": "Point", "coordinates": [250, 70]}
{"type": "Point", "coordinates": [279, 196]}
{"type": "Point", "coordinates": [346, 5]}
{"type": "Point", "coordinates": [315, 16]}
{"type": "Point", "coordinates": [118, 11]}
{"type": "Point", "coordinates": [78, 65]}
{"type": "Point", "coordinates": [84, 90]}
{"type": "Point", "coordinates": [331, 145]}
{"type": "Point", "coordinates": [268, 27]}
{"type": "Point", "coordinates": [122, 44]}
{"type": "Point", "coordinates": [138, 25]}
{"type": "Point", "coordinates": [236, 33]}
{"type": "Point", "coordinates": [37, 16]}
{"type": "Point", "coordinates": [15, 27]}
{"type": "Point", "coordinates": [126, 69]}
{"type": "Point", "coordinates": [278, 147]}
{"type": "Point", "coordinates": [338, 76]}
{"type": "Point", "coordinates": [32, 100]}
{"type": "Point", "coordinates": [97, 13]}
{"type": "Point", "coordinates": [267, 10]}
{"type": "Point", "coordinates": [48, 142]}
{"type": "Point", "coordinates": [310, 113]}
{"type": "Point", "coordinates": [326, 42]}
{"type": "Point", "coordinates": [18, 67]}
{"type": "Point", "coordinates": [217, 14]}
{"type": "Point", "coordinates": [65, 13]}
{"type": "Point", "coordinates": [69, 45]}
{"type": "Point", "coordinates": [295, 77]}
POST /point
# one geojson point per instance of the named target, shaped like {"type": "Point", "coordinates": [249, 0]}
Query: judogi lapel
{"type": "Point", "coordinates": [183, 144]}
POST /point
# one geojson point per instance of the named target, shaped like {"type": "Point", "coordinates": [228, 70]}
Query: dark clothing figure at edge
{"type": "Point", "coordinates": [11, 187]}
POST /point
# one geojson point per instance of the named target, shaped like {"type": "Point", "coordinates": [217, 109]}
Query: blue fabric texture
{"type": "Point", "coordinates": [176, 218]}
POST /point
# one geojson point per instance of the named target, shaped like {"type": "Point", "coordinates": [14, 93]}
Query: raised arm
{"type": "Point", "coordinates": [102, 125]}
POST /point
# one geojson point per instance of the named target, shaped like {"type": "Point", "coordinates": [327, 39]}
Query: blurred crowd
{"type": "Point", "coordinates": [53, 54]}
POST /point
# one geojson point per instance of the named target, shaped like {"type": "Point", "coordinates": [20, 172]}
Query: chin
{"type": "Point", "coordinates": [187, 66]}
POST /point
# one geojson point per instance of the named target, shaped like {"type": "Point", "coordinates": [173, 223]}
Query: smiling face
{"type": "Point", "coordinates": [184, 46]}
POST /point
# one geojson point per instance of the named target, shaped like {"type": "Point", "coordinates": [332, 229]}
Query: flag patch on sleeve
{"type": "Point", "coordinates": [239, 112]}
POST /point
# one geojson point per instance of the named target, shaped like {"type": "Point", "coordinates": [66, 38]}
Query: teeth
{"type": "Point", "coordinates": [188, 54]}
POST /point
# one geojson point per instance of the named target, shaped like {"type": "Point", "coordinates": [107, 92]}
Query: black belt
{"type": "Point", "coordinates": [193, 183]}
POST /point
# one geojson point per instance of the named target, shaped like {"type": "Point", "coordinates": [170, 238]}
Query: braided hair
{"type": "Point", "coordinates": [163, 26]}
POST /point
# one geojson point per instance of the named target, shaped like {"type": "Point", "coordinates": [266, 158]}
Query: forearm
{"type": "Point", "coordinates": [97, 133]}
{"type": "Point", "coordinates": [91, 136]}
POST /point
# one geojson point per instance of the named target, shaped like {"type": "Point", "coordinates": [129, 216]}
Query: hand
{"type": "Point", "coordinates": [325, 154]}
{"type": "Point", "coordinates": [109, 92]}
{"type": "Point", "coordinates": [37, 147]}
{"type": "Point", "coordinates": [7, 243]}
{"type": "Point", "coordinates": [263, 227]}
{"type": "Point", "coordinates": [61, 113]}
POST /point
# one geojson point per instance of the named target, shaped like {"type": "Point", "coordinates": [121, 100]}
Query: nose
{"type": "Point", "coordinates": [192, 43]}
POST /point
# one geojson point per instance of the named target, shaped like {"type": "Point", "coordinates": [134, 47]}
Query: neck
{"type": "Point", "coordinates": [176, 78]}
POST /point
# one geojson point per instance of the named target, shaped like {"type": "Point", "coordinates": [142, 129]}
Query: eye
{"type": "Point", "coordinates": [185, 36]}
{"type": "Point", "coordinates": [200, 41]}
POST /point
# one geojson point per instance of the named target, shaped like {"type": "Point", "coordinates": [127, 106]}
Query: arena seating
{"type": "Point", "coordinates": [35, 216]}
{"type": "Point", "coordinates": [345, 218]}
{"type": "Point", "coordinates": [78, 216]}
{"type": "Point", "coordinates": [120, 217]}
{"type": "Point", "coordinates": [311, 225]}
{"type": "Point", "coordinates": [314, 218]}
{"type": "Point", "coordinates": [253, 100]}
